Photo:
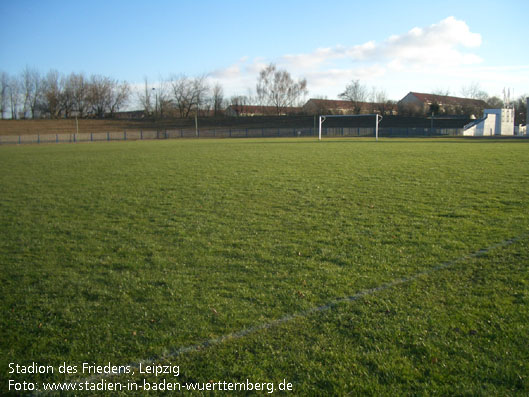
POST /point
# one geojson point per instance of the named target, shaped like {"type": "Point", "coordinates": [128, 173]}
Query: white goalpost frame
{"type": "Point", "coordinates": [324, 117]}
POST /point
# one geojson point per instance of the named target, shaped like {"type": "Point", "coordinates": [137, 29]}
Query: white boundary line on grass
{"type": "Point", "coordinates": [289, 317]}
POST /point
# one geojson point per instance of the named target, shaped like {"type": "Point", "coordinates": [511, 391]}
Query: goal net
{"type": "Point", "coordinates": [376, 119]}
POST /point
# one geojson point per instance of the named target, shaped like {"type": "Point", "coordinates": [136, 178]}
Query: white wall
{"type": "Point", "coordinates": [494, 122]}
{"type": "Point", "coordinates": [486, 127]}
{"type": "Point", "coordinates": [507, 122]}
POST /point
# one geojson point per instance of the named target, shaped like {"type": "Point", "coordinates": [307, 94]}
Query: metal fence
{"type": "Point", "coordinates": [132, 135]}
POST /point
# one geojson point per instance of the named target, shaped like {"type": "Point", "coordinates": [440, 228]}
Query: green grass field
{"type": "Point", "coordinates": [127, 252]}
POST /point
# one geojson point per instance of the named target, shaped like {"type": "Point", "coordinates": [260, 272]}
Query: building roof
{"type": "Point", "coordinates": [448, 100]}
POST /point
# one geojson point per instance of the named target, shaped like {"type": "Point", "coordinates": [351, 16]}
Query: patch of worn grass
{"type": "Point", "coordinates": [122, 251]}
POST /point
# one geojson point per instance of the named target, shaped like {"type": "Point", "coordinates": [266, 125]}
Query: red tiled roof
{"type": "Point", "coordinates": [448, 100]}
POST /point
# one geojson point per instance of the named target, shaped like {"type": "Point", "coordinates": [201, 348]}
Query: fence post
{"type": "Point", "coordinates": [165, 132]}
{"type": "Point", "coordinates": [124, 135]}
{"type": "Point", "coordinates": [19, 140]}
{"type": "Point", "coordinates": [108, 136]}
{"type": "Point", "coordinates": [91, 137]}
{"type": "Point", "coordinates": [56, 138]}
{"type": "Point", "coordinates": [38, 138]}
{"type": "Point", "coordinates": [230, 132]}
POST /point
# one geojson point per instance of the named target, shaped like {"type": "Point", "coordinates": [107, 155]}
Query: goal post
{"type": "Point", "coordinates": [325, 117]}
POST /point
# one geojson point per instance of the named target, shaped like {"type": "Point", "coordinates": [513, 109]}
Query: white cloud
{"type": "Point", "coordinates": [442, 43]}
{"type": "Point", "coordinates": [230, 72]}
{"type": "Point", "coordinates": [442, 54]}
{"type": "Point", "coordinates": [239, 78]}
{"type": "Point", "coordinates": [445, 42]}
{"type": "Point", "coordinates": [362, 52]}
{"type": "Point", "coordinates": [314, 59]}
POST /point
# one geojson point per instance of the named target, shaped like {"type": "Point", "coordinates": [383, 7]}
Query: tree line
{"type": "Point", "coordinates": [54, 95]}
{"type": "Point", "coordinates": [32, 95]}
{"type": "Point", "coordinates": [182, 96]}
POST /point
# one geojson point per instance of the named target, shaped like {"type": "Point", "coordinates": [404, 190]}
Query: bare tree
{"type": "Point", "coordinates": [163, 99]}
{"type": "Point", "coordinates": [119, 95]}
{"type": "Point", "coordinates": [31, 91]}
{"type": "Point", "coordinates": [79, 88]}
{"type": "Point", "coordinates": [38, 90]}
{"type": "Point", "coordinates": [277, 88]}
{"type": "Point", "coordinates": [14, 96]}
{"type": "Point", "coordinates": [189, 94]}
{"type": "Point", "coordinates": [182, 94]}
{"type": "Point", "coordinates": [240, 100]}
{"type": "Point", "coordinates": [383, 104]}
{"type": "Point", "coordinates": [4, 93]}
{"type": "Point", "coordinates": [200, 92]}
{"type": "Point", "coordinates": [67, 96]}
{"type": "Point", "coordinates": [217, 99]}
{"type": "Point", "coordinates": [106, 95]}
{"type": "Point", "coordinates": [356, 93]}
{"type": "Point", "coordinates": [372, 96]}
{"type": "Point", "coordinates": [244, 100]}
{"type": "Point", "coordinates": [381, 96]}
{"type": "Point", "coordinates": [474, 91]}
{"type": "Point", "coordinates": [26, 86]}
{"type": "Point", "coordinates": [99, 95]}
{"type": "Point", "coordinates": [51, 103]}
{"type": "Point", "coordinates": [29, 95]}
{"type": "Point", "coordinates": [145, 97]}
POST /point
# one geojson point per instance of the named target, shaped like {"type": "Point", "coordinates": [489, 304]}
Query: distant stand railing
{"type": "Point", "coordinates": [135, 135]}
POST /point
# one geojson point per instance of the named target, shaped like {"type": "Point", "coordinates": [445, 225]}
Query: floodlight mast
{"type": "Point", "coordinates": [325, 117]}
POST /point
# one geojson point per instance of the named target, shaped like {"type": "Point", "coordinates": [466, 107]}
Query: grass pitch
{"type": "Point", "coordinates": [125, 251]}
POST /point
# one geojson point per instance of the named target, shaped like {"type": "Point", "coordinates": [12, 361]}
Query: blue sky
{"type": "Point", "coordinates": [396, 46]}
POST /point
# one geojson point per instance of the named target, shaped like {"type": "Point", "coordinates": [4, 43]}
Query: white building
{"type": "Point", "coordinates": [494, 122]}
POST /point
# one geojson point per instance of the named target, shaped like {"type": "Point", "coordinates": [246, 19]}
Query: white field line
{"type": "Point", "coordinates": [289, 317]}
